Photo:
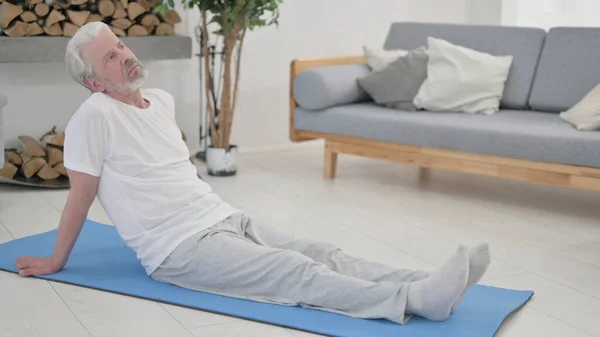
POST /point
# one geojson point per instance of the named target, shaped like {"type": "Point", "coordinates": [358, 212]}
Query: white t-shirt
{"type": "Point", "coordinates": [148, 187]}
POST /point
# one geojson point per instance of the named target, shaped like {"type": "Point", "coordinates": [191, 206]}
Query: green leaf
{"type": "Point", "coordinates": [250, 14]}
{"type": "Point", "coordinates": [216, 19]}
{"type": "Point", "coordinates": [161, 9]}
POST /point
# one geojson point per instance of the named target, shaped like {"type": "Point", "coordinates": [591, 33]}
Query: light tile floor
{"type": "Point", "coordinates": [542, 238]}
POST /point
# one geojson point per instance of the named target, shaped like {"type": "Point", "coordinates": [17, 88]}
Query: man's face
{"type": "Point", "coordinates": [116, 67]}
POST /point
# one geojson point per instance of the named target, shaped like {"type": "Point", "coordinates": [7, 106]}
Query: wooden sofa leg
{"type": "Point", "coordinates": [330, 161]}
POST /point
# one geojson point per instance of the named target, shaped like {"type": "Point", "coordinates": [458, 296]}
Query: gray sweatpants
{"type": "Point", "coordinates": [245, 259]}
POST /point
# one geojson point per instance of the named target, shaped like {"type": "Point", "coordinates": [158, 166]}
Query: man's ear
{"type": "Point", "coordinates": [96, 87]}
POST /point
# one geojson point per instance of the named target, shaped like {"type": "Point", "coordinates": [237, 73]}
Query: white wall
{"type": "Point", "coordinates": [308, 28]}
{"type": "Point", "coordinates": [551, 13]}
{"type": "Point", "coordinates": [485, 12]}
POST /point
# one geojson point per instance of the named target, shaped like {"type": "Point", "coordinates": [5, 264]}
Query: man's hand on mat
{"type": "Point", "coordinates": [81, 196]}
{"type": "Point", "coordinates": [29, 266]}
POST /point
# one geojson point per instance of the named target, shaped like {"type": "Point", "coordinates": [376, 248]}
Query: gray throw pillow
{"type": "Point", "coordinates": [396, 85]}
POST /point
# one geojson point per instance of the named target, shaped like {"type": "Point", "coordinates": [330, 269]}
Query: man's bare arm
{"type": "Point", "coordinates": [81, 196]}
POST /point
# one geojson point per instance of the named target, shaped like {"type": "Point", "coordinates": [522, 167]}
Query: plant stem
{"type": "Point", "coordinates": [229, 39]}
{"type": "Point", "coordinates": [237, 80]}
{"type": "Point", "coordinates": [226, 98]}
{"type": "Point", "coordinates": [214, 137]}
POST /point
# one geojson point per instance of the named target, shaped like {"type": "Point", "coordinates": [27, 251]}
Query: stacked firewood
{"type": "Point", "coordinates": [20, 18]}
{"type": "Point", "coordinates": [41, 158]}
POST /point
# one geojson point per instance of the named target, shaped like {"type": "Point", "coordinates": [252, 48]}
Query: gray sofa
{"type": "Point", "coordinates": [525, 140]}
{"type": "Point", "coordinates": [3, 102]}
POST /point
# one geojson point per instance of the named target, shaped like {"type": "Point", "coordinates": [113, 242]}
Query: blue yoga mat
{"type": "Point", "coordinates": [101, 260]}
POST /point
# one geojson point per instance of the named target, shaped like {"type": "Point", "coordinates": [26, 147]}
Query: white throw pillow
{"type": "Point", "coordinates": [462, 79]}
{"type": "Point", "coordinates": [377, 58]}
{"type": "Point", "coordinates": [585, 115]}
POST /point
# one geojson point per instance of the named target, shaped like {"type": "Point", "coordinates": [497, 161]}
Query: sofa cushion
{"type": "Point", "coordinates": [523, 43]}
{"type": "Point", "coordinates": [397, 84]}
{"type": "Point", "coordinates": [569, 68]}
{"type": "Point", "coordinates": [379, 58]}
{"type": "Point", "coordinates": [462, 79]}
{"type": "Point", "coordinates": [521, 134]}
{"type": "Point", "coordinates": [585, 115]}
{"type": "Point", "coordinates": [323, 87]}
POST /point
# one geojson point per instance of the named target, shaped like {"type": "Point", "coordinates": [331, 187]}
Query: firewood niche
{"type": "Point", "coordinates": [36, 162]}
{"type": "Point", "coordinates": [20, 18]}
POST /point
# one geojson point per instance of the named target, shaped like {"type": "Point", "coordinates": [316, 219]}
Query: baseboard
{"type": "Point", "coordinates": [287, 147]}
{"type": "Point", "coordinates": [316, 144]}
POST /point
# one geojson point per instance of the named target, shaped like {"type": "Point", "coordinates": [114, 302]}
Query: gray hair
{"type": "Point", "coordinates": [76, 66]}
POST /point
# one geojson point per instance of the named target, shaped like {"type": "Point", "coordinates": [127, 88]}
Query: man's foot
{"type": "Point", "coordinates": [479, 261]}
{"type": "Point", "coordinates": [433, 297]}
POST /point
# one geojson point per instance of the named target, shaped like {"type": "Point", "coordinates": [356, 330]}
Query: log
{"type": "Point", "coordinates": [13, 157]}
{"type": "Point", "coordinates": [120, 12]}
{"type": "Point", "coordinates": [137, 30]}
{"type": "Point", "coordinates": [54, 17]}
{"type": "Point", "coordinates": [125, 3]}
{"type": "Point", "coordinates": [78, 18]}
{"type": "Point", "coordinates": [121, 23]}
{"type": "Point", "coordinates": [61, 4]}
{"type": "Point", "coordinates": [9, 170]}
{"type": "Point", "coordinates": [106, 8]}
{"type": "Point", "coordinates": [8, 12]}
{"type": "Point", "coordinates": [31, 165]}
{"type": "Point", "coordinates": [145, 4]}
{"type": "Point", "coordinates": [165, 29]}
{"type": "Point", "coordinates": [78, 2]}
{"type": "Point", "coordinates": [150, 29]}
{"type": "Point", "coordinates": [31, 3]}
{"type": "Point", "coordinates": [58, 140]}
{"type": "Point", "coordinates": [60, 168]}
{"type": "Point", "coordinates": [118, 32]}
{"type": "Point", "coordinates": [53, 138]}
{"type": "Point", "coordinates": [150, 20]}
{"type": "Point", "coordinates": [94, 18]}
{"type": "Point", "coordinates": [54, 30]}
{"type": "Point", "coordinates": [28, 16]}
{"type": "Point", "coordinates": [171, 17]}
{"type": "Point", "coordinates": [35, 29]}
{"type": "Point", "coordinates": [31, 147]}
{"type": "Point", "coordinates": [41, 10]}
{"type": "Point", "coordinates": [134, 10]}
{"type": "Point", "coordinates": [69, 29]}
{"type": "Point", "coordinates": [17, 29]}
{"type": "Point", "coordinates": [55, 155]}
{"type": "Point", "coordinates": [47, 172]}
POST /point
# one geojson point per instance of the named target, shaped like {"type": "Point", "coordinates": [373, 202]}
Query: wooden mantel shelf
{"type": "Point", "coordinates": [33, 49]}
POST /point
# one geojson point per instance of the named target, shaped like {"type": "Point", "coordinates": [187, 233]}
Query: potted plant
{"type": "Point", "coordinates": [231, 19]}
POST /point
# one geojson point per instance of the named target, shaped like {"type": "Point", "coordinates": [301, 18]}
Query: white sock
{"type": "Point", "coordinates": [479, 260]}
{"type": "Point", "coordinates": [432, 298]}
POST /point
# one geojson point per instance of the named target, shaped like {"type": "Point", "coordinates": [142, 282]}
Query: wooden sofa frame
{"type": "Point", "coordinates": [577, 177]}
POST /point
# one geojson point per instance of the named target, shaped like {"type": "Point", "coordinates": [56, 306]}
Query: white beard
{"type": "Point", "coordinates": [139, 79]}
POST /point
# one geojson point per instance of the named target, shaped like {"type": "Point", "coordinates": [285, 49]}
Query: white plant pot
{"type": "Point", "coordinates": [221, 162]}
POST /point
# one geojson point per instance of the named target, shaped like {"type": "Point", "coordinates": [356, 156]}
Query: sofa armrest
{"type": "Point", "coordinates": [324, 87]}
{"type": "Point", "coordinates": [323, 82]}
{"type": "Point", "coordinates": [319, 84]}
